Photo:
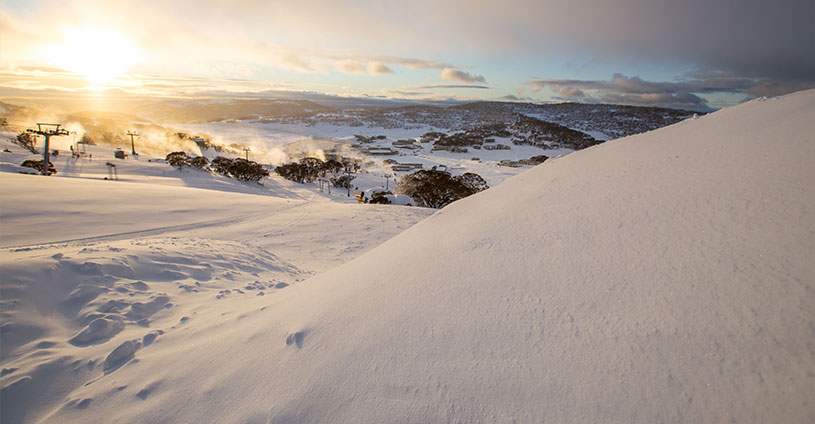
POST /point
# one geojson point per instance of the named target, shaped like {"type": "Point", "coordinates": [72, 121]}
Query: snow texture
{"type": "Point", "coordinates": [666, 276]}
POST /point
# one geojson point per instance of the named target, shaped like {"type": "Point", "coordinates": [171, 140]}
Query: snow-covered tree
{"type": "Point", "coordinates": [438, 189]}
{"type": "Point", "coordinates": [178, 159]}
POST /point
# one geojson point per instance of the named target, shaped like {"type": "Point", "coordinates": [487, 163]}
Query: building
{"type": "Point", "coordinates": [380, 151]}
{"type": "Point", "coordinates": [406, 144]}
{"type": "Point", "coordinates": [405, 167]}
{"type": "Point", "coordinates": [510, 163]}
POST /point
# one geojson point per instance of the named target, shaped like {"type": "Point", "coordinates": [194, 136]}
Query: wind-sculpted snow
{"type": "Point", "coordinates": [102, 274]}
{"type": "Point", "coordinates": [105, 291]}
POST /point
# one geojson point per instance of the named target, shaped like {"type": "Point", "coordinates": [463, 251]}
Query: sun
{"type": "Point", "coordinates": [101, 56]}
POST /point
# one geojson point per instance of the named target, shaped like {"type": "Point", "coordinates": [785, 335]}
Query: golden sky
{"type": "Point", "coordinates": [692, 53]}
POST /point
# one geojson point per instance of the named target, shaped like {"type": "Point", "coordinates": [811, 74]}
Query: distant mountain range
{"type": "Point", "coordinates": [537, 124]}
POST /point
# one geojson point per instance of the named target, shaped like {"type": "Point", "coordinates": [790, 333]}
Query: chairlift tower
{"type": "Point", "coordinates": [246, 149]}
{"type": "Point", "coordinates": [132, 143]}
{"type": "Point", "coordinates": [74, 145]}
{"type": "Point", "coordinates": [45, 131]}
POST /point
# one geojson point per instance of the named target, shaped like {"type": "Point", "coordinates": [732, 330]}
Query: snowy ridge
{"type": "Point", "coordinates": [666, 276]}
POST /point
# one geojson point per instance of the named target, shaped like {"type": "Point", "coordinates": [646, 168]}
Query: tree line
{"type": "Point", "coordinates": [237, 168]}
{"type": "Point", "coordinates": [307, 170]}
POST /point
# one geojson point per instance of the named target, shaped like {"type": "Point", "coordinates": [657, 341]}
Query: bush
{"type": "Point", "coordinates": [379, 198]}
{"type": "Point", "coordinates": [472, 182]}
{"type": "Point", "coordinates": [247, 170]}
{"type": "Point", "coordinates": [312, 168]}
{"type": "Point", "coordinates": [332, 166]}
{"type": "Point", "coordinates": [305, 171]}
{"type": "Point", "coordinates": [178, 159]}
{"type": "Point", "coordinates": [538, 159]}
{"type": "Point", "coordinates": [350, 166]}
{"type": "Point", "coordinates": [26, 140]}
{"type": "Point", "coordinates": [221, 165]}
{"type": "Point", "coordinates": [438, 189]}
{"type": "Point", "coordinates": [292, 172]}
{"type": "Point", "coordinates": [199, 162]}
{"type": "Point", "coordinates": [37, 164]}
{"type": "Point", "coordinates": [343, 181]}
{"type": "Point", "coordinates": [239, 169]}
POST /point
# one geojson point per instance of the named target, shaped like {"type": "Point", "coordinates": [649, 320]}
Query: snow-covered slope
{"type": "Point", "coordinates": [663, 277]}
{"type": "Point", "coordinates": [88, 265]}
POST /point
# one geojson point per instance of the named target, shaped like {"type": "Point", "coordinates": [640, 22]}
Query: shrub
{"type": "Point", "coordinates": [37, 164]}
{"type": "Point", "coordinates": [221, 165]}
{"type": "Point", "coordinates": [473, 182]}
{"type": "Point", "coordinates": [26, 140]}
{"type": "Point", "coordinates": [292, 172]}
{"type": "Point", "coordinates": [379, 198]}
{"type": "Point", "coordinates": [239, 169]}
{"type": "Point", "coordinates": [199, 162]}
{"type": "Point", "coordinates": [312, 168]}
{"type": "Point", "coordinates": [247, 170]}
{"type": "Point", "coordinates": [350, 166]}
{"type": "Point", "coordinates": [305, 171]}
{"type": "Point", "coordinates": [332, 166]}
{"type": "Point", "coordinates": [178, 159]}
{"type": "Point", "coordinates": [343, 181]}
{"type": "Point", "coordinates": [438, 189]}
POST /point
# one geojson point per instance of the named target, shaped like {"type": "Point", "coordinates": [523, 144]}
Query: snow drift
{"type": "Point", "coordinates": [662, 277]}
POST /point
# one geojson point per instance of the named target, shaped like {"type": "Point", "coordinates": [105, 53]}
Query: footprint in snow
{"type": "Point", "coordinates": [139, 285]}
{"type": "Point", "coordinates": [295, 338]}
{"type": "Point", "coordinates": [145, 392]}
{"type": "Point", "coordinates": [150, 337]}
{"type": "Point", "coordinates": [79, 404]}
{"type": "Point", "coordinates": [121, 355]}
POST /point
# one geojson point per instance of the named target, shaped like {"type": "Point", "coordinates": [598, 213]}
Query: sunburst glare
{"type": "Point", "coordinates": [97, 54]}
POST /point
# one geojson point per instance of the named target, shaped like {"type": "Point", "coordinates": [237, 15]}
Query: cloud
{"type": "Point", "coordinates": [569, 92]}
{"type": "Point", "coordinates": [636, 91]}
{"type": "Point", "coordinates": [353, 66]}
{"type": "Point", "coordinates": [452, 74]}
{"type": "Point", "coordinates": [405, 93]}
{"type": "Point", "coordinates": [745, 36]}
{"type": "Point", "coordinates": [514, 98]}
{"type": "Point", "coordinates": [374, 61]}
{"type": "Point", "coordinates": [231, 70]}
{"type": "Point", "coordinates": [686, 92]}
{"type": "Point", "coordinates": [768, 43]}
{"type": "Point", "coordinates": [349, 66]}
{"type": "Point", "coordinates": [672, 100]}
{"type": "Point", "coordinates": [413, 63]}
{"type": "Point", "coordinates": [434, 86]}
{"type": "Point", "coordinates": [293, 61]}
{"type": "Point", "coordinates": [753, 84]}
{"type": "Point", "coordinates": [378, 68]}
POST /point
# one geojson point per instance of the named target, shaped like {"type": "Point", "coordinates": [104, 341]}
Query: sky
{"type": "Point", "coordinates": [690, 54]}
